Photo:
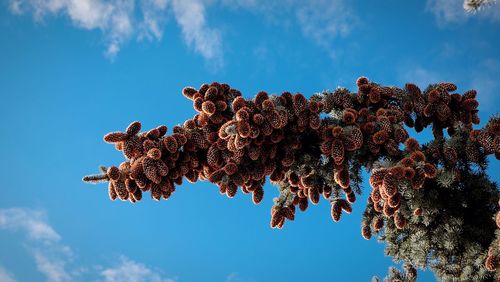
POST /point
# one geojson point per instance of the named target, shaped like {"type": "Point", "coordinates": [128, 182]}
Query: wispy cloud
{"type": "Point", "coordinates": [448, 12]}
{"type": "Point", "coordinates": [154, 19]}
{"type": "Point", "coordinates": [6, 276]}
{"type": "Point", "coordinates": [113, 18]}
{"type": "Point", "coordinates": [325, 20]}
{"type": "Point", "coordinates": [52, 266]}
{"type": "Point", "coordinates": [131, 271]}
{"type": "Point", "coordinates": [42, 241]}
{"type": "Point", "coordinates": [123, 20]}
{"type": "Point", "coordinates": [56, 260]}
{"type": "Point", "coordinates": [31, 222]}
{"type": "Point", "coordinates": [191, 16]}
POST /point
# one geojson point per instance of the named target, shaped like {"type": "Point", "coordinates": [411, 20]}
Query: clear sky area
{"type": "Point", "coordinates": [72, 71]}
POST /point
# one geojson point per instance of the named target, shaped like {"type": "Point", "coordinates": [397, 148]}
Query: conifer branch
{"type": "Point", "coordinates": [473, 6]}
{"type": "Point", "coordinates": [420, 203]}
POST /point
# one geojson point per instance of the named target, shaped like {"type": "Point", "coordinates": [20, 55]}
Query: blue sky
{"type": "Point", "coordinates": [71, 71]}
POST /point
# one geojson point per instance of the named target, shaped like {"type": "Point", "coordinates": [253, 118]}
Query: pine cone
{"type": "Point", "coordinates": [491, 263]}
{"type": "Point", "coordinates": [472, 152]}
{"type": "Point", "coordinates": [417, 212]}
{"type": "Point", "coordinates": [366, 232]}
{"type": "Point", "coordinates": [378, 224]}
{"type": "Point", "coordinates": [342, 178]}
{"type": "Point", "coordinates": [399, 221]}
{"type": "Point", "coordinates": [336, 211]}
{"type": "Point", "coordinates": [390, 185]}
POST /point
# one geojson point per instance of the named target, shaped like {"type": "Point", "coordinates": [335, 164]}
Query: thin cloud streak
{"type": "Point", "coordinates": [56, 260]}
{"type": "Point", "coordinates": [191, 16]}
{"type": "Point", "coordinates": [32, 223]}
{"type": "Point", "coordinates": [6, 276]}
{"type": "Point", "coordinates": [322, 21]}
{"type": "Point", "coordinates": [42, 241]}
{"type": "Point", "coordinates": [53, 267]}
{"type": "Point", "coordinates": [122, 20]}
{"type": "Point", "coordinates": [131, 271]}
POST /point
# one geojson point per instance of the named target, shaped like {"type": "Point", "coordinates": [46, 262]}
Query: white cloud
{"type": "Point", "coordinates": [190, 15]}
{"type": "Point", "coordinates": [119, 21]}
{"type": "Point", "coordinates": [6, 276]}
{"type": "Point", "coordinates": [53, 267]}
{"type": "Point", "coordinates": [324, 20]}
{"type": "Point", "coordinates": [452, 12]}
{"type": "Point", "coordinates": [15, 6]}
{"type": "Point", "coordinates": [43, 243]}
{"type": "Point", "coordinates": [122, 20]}
{"type": "Point", "coordinates": [154, 18]}
{"type": "Point", "coordinates": [447, 11]}
{"type": "Point", "coordinates": [131, 271]}
{"type": "Point", "coordinates": [240, 3]}
{"type": "Point", "coordinates": [31, 222]}
{"type": "Point", "coordinates": [116, 19]}
{"type": "Point", "coordinates": [55, 260]}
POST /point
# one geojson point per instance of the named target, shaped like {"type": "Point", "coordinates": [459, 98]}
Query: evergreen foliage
{"type": "Point", "coordinates": [409, 274]}
{"type": "Point", "coordinates": [476, 5]}
{"type": "Point", "coordinates": [432, 204]}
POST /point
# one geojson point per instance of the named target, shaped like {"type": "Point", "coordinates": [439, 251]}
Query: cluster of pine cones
{"type": "Point", "coordinates": [236, 143]}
